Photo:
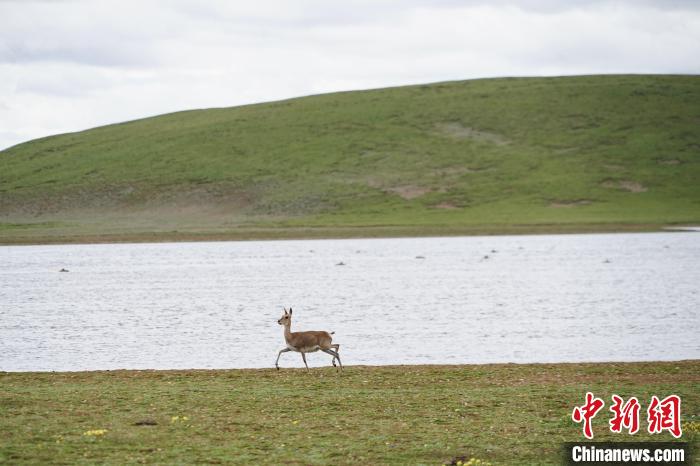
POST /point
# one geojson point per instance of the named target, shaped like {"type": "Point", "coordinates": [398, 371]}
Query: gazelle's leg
{"type": "Point", "coordinates": [278, 356]}
{"type": "Point", "coordinates": [303, 356]}
{"type": "Point", "coordinates": [331, 352]}
{"type": "Point", "coordinates": [337, 348]}
{"type": "Point", "coordinates": [335, 356]}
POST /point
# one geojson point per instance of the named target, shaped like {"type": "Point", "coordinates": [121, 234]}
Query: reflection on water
{"type": "Point", "coordinates": [394, 301]}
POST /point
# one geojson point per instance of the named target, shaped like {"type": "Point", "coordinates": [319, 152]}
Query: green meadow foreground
{"type": "Point", "coordinates": [501, 414]}
{"type": "Point", "coordinates": [508, 155]}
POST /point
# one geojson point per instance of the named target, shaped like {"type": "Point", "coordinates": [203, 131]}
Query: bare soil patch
{"type": "Point", "coordinates": [446, 205]}
{"type": "Point", "coordinates": [409, 191]}
{"type": "Point", "coordinates": [625, 185]}
{"type": "Point", "coordinates": [458, 131]}
{"type": "Point", "coordinates": [456, 170]}
{"type": "Point", "coordinates": [633, 187]}
{"type": "Point", "coordinates": [569, 204]}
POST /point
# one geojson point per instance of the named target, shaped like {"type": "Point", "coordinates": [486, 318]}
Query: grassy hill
{"type": "Point", "coordinates": [494, 155]}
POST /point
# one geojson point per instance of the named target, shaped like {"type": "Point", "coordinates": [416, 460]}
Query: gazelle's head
{"type": "Point", "coordinates": [286, 319]}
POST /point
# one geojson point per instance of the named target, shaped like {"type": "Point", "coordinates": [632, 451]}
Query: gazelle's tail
{"type": "Point", "coordinates": [332, 333]}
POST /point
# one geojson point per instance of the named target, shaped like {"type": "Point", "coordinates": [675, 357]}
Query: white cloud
{"type": "Point", "coordinates": [71, 65]}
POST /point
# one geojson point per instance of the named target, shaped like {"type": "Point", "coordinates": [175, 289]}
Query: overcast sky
{"type": "Point", "coordinates": [72, 65]}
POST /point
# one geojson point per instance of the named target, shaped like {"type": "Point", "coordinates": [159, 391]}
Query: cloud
{"type": "Point", "coordinates": [76, 64]}
{"type": "Point", "coordinates": [82, 32]}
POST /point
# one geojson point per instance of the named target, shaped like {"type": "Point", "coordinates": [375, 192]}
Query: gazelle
{"type": "Point", "coordinates": [306, 342]}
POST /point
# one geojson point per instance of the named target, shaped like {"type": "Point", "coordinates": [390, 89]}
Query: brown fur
{"type": "Point", "coordinates": [309, 339]}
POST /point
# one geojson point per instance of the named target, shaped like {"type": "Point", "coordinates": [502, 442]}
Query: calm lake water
{"type": "Point", "coordinates": [619, 297]}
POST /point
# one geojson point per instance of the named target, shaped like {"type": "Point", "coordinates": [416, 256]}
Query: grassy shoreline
{"type": "Point", "coordinates": [298, 233]}
{"type": "Point", "coordinates": [500, 413]}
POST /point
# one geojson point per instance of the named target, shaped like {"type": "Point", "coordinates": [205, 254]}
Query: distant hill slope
{"type": "Point", "coordinates": [493, 153]}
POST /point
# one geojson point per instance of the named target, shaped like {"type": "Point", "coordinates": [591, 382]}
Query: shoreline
{"type": "Point", "coordinates": [492, 365]}
{"type": "Point", "coordinates": [345, 232]}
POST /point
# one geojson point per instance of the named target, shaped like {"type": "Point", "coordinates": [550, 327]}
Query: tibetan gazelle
{"type": "Point", "coordinates": [306, 342]}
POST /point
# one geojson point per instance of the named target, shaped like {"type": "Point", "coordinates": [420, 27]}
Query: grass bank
{"type": "Point", "coordinates": [290, 233]}
{"type": "Point", "coordinates": [493, 155]}
{"type": "Point", "coordinates": [503, 414]}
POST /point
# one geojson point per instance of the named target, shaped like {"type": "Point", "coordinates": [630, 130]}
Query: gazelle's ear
{"type": "Point", "coordinates": [285, 310]}
{"type": "Point", "coordinates": [290, 311]}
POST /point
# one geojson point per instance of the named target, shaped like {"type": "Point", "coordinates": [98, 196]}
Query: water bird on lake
{"type": "Point", "coordinates": [63, 270]}
{"type": "Point", "coordinates": [306, 342]}
{"type": "Point", "coordinates": [340, 263]}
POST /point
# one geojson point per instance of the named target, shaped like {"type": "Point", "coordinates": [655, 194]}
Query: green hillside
{"type": "Point", "coordinates": [495, 155]}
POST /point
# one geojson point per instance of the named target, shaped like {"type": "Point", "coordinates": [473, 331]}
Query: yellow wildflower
{"type": "Point", "coordinates": [691, 426]}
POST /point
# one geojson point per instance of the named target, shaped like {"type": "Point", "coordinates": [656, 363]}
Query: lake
{"type": "Point", "coordinates": [548, 298]}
